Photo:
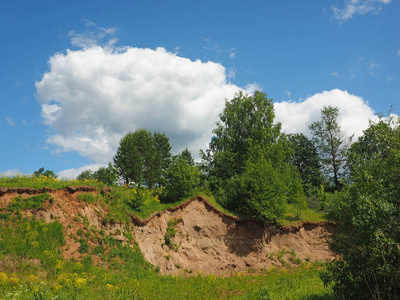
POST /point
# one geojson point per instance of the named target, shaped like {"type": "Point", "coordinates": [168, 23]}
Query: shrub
{"type": "Point", "coordinates": [181, 179]}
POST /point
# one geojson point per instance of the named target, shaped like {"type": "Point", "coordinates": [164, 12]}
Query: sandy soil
{"type": "Point", "coordinates": [207, 241]}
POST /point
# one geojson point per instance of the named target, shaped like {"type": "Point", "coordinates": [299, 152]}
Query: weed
{"type": "Point", "coordinates": [171, 232]}
{"type": "Point", "coordinates": [32, 202]}
{"type": "Point", "coordinates": [87, 197]}
{"type": "Point", "coordinates": [84, 246]}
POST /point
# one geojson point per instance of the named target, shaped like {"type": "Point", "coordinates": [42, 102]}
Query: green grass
{"type": "Point", "coordinates": [32, 265]}
{"type": "Point", "coordinates": [31, 202]}
{"type": "Point", "coordinates": [296, 215]}
{"type": "Point", "coordinates": [42, 182]}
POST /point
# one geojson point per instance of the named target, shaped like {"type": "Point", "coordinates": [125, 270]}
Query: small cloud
{"type": "Point", "coordinates": [360, 7]}
{"type": "Point", "coordinates": [10, 173]}
{"type": "Point", "coordinates": [219, 49]}
{"type": "Point", "coordinates": [232, 53]}
{"type": "Point", "coordinates": [92, 36]}
{"type": "Point", "coordinates": [389, 78]}
{"type": "Point", "coordinates": [10, 121]}
{"type": "Point", "coordinates": [288, 93]}
{"type": "Point", "coordinates": [334, 74]}
{"type": "Point", "coordinates": [231, 73]}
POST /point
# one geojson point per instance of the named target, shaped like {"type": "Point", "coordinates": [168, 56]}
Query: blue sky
{"type": "Point", "coordinates": [78, 75]}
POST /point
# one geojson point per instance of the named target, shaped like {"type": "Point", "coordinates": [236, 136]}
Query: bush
{"type": "Point", "coordinates": [181, 179]}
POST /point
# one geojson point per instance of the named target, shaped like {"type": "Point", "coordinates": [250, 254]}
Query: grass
{"type": "Point", "coordinates": [31, 202]}
{"type": "Point", "coordinates": [295, 215]}
{"type": "Point", "coordinates": [30, 181]}
{"type": "Point", "coordinates": [32, 265]}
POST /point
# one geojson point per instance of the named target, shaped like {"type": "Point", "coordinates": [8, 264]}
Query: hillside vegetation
{"type": "Point", "coordinates": [79, 243]}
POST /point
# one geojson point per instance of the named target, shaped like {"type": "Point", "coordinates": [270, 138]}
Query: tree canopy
{"type": "Point", "coordinates": [305, 158]}
{"type": "Point", "coordinates": [368, 209]}
{"type": "Point", "coordinates": [141, 157]}
{"type": "Point", "coordinates": [331, 143]}
{"type": "Point", "coordinates": [41, 172]}
{"type": "Point", "coordinates": [247, 142]}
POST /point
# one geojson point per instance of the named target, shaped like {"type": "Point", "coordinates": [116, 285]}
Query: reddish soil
{"type": "Point", "coordinates": [206, 240]}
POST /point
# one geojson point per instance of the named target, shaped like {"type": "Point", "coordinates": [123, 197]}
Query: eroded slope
{"type": "Point", "coordinates": [210, 241]}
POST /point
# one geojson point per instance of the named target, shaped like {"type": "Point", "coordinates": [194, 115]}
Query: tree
{"type": "Point", "coordinates": [244, 119]}
{"type": "Point", "coordinates": [164, 148]}
{"type": "Point", "coordinates": [85, 175]}
{"type": "Point", "coordinates": [181, 178]}
{"type": "Point", "coordinates": [306, 160]}
{"type": "Point", "coordinates": [41, 172]}
{"type": "Point", "coordinates": [107, 175]}
{"type": "Point", "coordinates": [246, 141]}
{"type": "Point", "coordinates": [368, 211]}
{"type": "Point", "coordinates": [187, 156]}
{"type": "Point", "coordinates": [331, 143]}
{"type": "Point", "coordinates": [141, 156]}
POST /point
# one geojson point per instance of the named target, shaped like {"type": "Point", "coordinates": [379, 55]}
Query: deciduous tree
{"type": "Point", "coordinates": [331, 143]}
{"type": "Point", "coordinates": [368, 210]}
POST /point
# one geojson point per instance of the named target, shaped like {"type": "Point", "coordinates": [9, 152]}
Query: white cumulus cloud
{"type": "Point", "coordinates": [92, 97]}
{"type": "Point", "coordinates": [73, 173]}
{"type": "Point", "coordinates": [354, 7]}
{"type": "Point", "coordinates": [297, 116]}
{"type": "Point", "coordinates": [10, 173]}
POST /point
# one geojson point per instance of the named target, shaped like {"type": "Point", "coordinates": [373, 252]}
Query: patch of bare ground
{"type": "Point", "coordinates": [204, 239]}
{"type": "Point", "coordinates": [211, 242]}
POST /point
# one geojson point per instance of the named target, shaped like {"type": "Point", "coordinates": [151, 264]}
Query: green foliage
{"type": "Point", "coordinates": [305, 158]}
{"type": "Point", "coordinates": [87, 197]}
{"type": "Point", "coordinates": [31, 238]}
{"type": "Point", "coordinates": [368, 239]}
{"type": "Point", "coordinates": [244, 119]}
{"type": "Point", "coordinates": [32, 202]}
{"type": "Point", "coordinates": [108, 175]}
{"type": "Point", "coordinates": [171, 232]}
{"type": "Point", "coordinates": [44, 182]}
{"type": "Point", "coordinates": [141, 157]}
{"type": "Point", "coordinates": [331, 143]}
{"type": "Point", "coordinates": [41, 173]}
{"type": "Point", "coordinates": [247, 160]}
{"type": "Point", "coordinates": [181, 179]}
{"type": "Point", "coordinates": [85, 175]}
{"type": "Point", "coordinates": [84, 246]}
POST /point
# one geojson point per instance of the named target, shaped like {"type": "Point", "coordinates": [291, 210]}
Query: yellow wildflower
{"type": "Point", "coordinates": [80, 282]}
{"type": "Point", "coordinates": [57, 286]}
{"type": "Point", "coordinates": [59, 264]}
{"type": "Point", "coordinates": [13, 279]}
{"type": "Point", "coordinates": [3, 278]}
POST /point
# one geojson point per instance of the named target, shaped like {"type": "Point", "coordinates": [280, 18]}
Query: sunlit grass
{"type": "Point", "coordinates": [29, 181]}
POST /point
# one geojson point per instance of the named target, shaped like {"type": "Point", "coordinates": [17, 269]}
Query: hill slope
{"type": "Point", "coordinates": [190, 238]}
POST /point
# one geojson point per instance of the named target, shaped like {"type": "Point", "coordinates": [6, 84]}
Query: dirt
{"type": "Point", "coordinates": [206, 240]}
{"type": "Point", "coordinates": [211, 242]}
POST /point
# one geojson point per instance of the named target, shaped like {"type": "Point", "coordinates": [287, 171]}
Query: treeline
{"type": "Point", "coordinates": [253, 167]}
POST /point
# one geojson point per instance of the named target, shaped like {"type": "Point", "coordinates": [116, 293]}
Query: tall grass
{"type": "Point", "coordinates": [30, 181]}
